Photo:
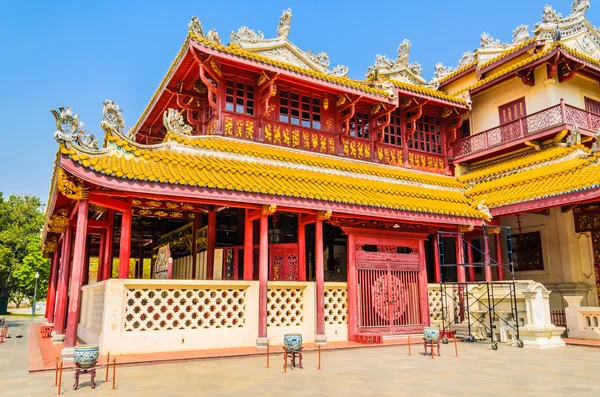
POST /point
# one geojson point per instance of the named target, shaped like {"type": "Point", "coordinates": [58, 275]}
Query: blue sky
{"type": "Point", "coordinates": [80, 53]}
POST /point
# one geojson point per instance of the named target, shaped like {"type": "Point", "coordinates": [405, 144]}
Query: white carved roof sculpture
{"type": "Point", "coordinates": [398, 69]}
{"type": "Point", "coordinates": [281, 49]}
{"type": "Point", "coordinates": [574, 30]}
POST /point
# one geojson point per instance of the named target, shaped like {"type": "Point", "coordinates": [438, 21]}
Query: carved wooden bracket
{"type": "Point", "coordinates": [453, 128]}
{"type": "Point", "coordinates": [411, 122]}
{"type": "Point", "coordinates": [465, 228]}
{"type": "Point", "coordinates": [346, 102]}
{"type": "Point", "coordinates": [209, 70]}
{"type": "Point", "coordinates": [266, 90]}
{"type": "Point", "coordinates": [71, 187]}
{"type": "Point", "coordinates": [527, 77]}
{"type": "Point", "coordinates": [385, 111]}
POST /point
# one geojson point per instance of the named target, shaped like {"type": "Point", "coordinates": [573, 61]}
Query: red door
{"type": "Point", "coordinates": [283, 260]}
{"type": "Point", "coordinates": [388, 293]}
{"type": "Point", "coordinates": [511, 123]}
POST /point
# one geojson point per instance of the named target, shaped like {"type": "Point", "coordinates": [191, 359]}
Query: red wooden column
{"type": "Point", "coordinates": [108, 246]}
{"type": "Point", "coordinates": [52, 287]}
{"type": "Point", "coordinates": [211, 240]}
{"type": "Point", "coordinates": [486, 250]}
{"type": "Point", "coordinates": [195, 227]}
{"type": "Point", "coordinates": [125, 246]}
{"type": "Point", "coordinates": [320, 281]}
{"type": "Point", "coordinates": [470, 258]}
{"type": "Point", "coordinates": [460, 259]}
{"type": "Point", "coordinates": [437, 270]}
{"type": "Point", "coordinates": [301, 250]}
{"type": "Point", "coordinates": [352, 288]}
{"type": "Point", "coordinates": [60, 315]}
{"type": "Point", "coordinates": [101, 253]}
{"type": "Point", "coordinates": [499, 269]}
{"type": "Point", "coordinates": [248, 246]}
{"type": "Point", "coordinates": [77, 274]}
{"type": "Point", "coordinates": [263, 279]}
{"type": "Point", "coordinates": [423, 287]}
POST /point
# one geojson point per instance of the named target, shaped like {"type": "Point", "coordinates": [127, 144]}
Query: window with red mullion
{"type": "Point", "coordinates": [427, 136]}
{"type": "Point", "coordinates": [299, 109]}
{"type": "Point", "coordinates": [359, 125]}
{"type": "Point", "coordinates": [239, 97]}
{"type": "Point", "coordinates": [393, 132]}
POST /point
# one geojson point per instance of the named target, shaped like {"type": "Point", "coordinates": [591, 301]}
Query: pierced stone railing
{"type": "Point", "coordinates": [582, 322]}
{"type": "Point", "coordinates": [554, 116]}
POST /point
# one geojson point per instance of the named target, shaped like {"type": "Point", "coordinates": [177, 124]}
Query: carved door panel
{"type": "Point", "coordinates": [388, 289]}
{"type": "Point", "coordinates": [510, 128]}
{"type": "Point", "coordinates": [283, 260]}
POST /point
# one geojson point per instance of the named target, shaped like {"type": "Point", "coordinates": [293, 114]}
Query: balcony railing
{"type": "Point", "coordinates": [531, 124]}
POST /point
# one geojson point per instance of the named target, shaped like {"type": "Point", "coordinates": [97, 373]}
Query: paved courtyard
{"type": "Point", "coordinates": [382, 371]}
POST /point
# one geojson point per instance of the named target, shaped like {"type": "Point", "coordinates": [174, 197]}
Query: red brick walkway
{"type": "Point", "coordinates": [43, 353]}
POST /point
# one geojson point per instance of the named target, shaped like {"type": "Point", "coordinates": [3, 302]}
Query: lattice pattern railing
{"type": "Point", "coordinates": [285, 307]}
{"type": "Point", "coordinates": [527, 125]}
{"type": "Point", "coordinates": [336, 306]}
{"type": "Point", "coordinates": [435, 304]}
{"type": "Point", "coordinates": [159, 309]}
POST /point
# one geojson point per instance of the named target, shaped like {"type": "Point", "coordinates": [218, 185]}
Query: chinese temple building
{"type": "Point", "coordinates": [262, 192]}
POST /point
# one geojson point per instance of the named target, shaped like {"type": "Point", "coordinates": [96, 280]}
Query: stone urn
{"type": "Point", "coordinates": [86, 355]}
{"type": "Point", "coordinates": [431, 334]}
{"type": "Point", "coordinates": [292, 342]}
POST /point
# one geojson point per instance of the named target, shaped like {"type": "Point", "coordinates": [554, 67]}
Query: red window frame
{"type": "Point", "coordinates": [393, 132]}
{"type": "Point", "coordinates": [427, 136]}
{"type": "Point", "coordinates": [299, 109]}
{"type": "Point", "coordinates": [239, 97]}
{"type": "Point", "coordinates": [512, 111]}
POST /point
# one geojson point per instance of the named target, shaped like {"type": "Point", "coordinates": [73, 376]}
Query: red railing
{"type": "Point", "coordinates": [558, 318]}
{"type": "Point", "coordinates": [530, 124]}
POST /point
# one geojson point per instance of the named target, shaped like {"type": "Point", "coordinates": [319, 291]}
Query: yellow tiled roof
{"type": "Point", "coordinates": [456, 72]}
{"type": "Point", "coordinates": [229, 164]}
{"type": "Point", "coordinates": [429, 92]}
{"type": "Point", "coordinates": [506, 53]}
{"type": "Point", "coordinates": [516, 162]}
{"type": "Point", "coordinates": [526, 182]}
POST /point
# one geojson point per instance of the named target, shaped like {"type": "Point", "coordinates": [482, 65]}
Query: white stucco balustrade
{"type": "Point", "coordinates": [582, 322]}
{"type": "Point", "coordinates": [126, 316]}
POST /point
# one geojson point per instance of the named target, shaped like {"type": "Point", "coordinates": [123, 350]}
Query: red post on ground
{"type": "Point", "coordinates": [195, 227]}
{"type": "Point", "coordinates": [114, 373]}
{"type": "Point", "coordinates": [60, 376]}
{"type": "Point", "coordinates": [107, 365]}
{"type": "Point", "coordinates": [211, 240]}
{"type": "Point", "coordinates": [320, 277]}
{"type": "Point", "coordinates": [455, 346]}
{"type": "Point", "coordinates": [52, 287]}
{"type": "Point", "coordinates": [284, 360]}
{"type": "Point", "coordinates": [108, 246]}
{"type": "Point", "coordinates": [60, 316]}
{"type": "Point", "coordinates": [125, 246]}
{"type": "Point", "coordinates": [248, 247]}
{"type": "Point", "coordinates": [319, 352]}
{"type": "Point", "coordinates": [432, 349]}
{"type": "Point", "coordinates": [267, 355]}
{"type": "Point", "coordinates": [56, 371]}
{"type": "Point", "coordinates": [437, 271]}
{"type": "Point", "coordinates": [263, 275]}
{"type": "Point", "coordinates": [77, 272]}
{"type": "Point", "coordinates": [460, 259]}
{"type": "Point", "coordinates": [470, 259]}
{"type": "Point", "coordinates": [301, 250]}
{"type": "Point", "coordinates": [499, 268]}
{"type": "Point", "coordinates": [486, 250]}
{"type": "Point", "coordinates": [352, 288]}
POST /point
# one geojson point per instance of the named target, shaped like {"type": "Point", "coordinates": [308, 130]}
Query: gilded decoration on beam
{"type": "Point", "coordinates": [325, 103]}
{"type": "Point", "coordinates": [446, 112]}
{"type": "Point", "coordinates": [70, 130]}
{"type": "Point", "coordinates": [495, 230]}
{"type": "Point", "coordinates": [71, 187]}
{"type": "Point", "coordinates": [375, 224]}
{"type": "Point", "coordinates": [465, 228]}
{"type": "Point", "coordinates": [58, 222]}
{"type": "Point", "coordinates": [324, 215]}
{"type": "Point", "coordinates": [173, 121]}
{"type": "Point", "coordinates": [97, 208]}
{"type": "Point", "coordinates": [341, 100]}
{"type": "Point", "coordinates": [215, 66]}
{"type": "Point", "coordinates": [50, 245]}
{"type": "Point", "coordinates": [269, 209]}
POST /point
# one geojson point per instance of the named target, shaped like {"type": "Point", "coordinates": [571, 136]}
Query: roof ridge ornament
{"type": "Point", "coordinates": [173, 121]}
{"type": "Point", "coordinates": [399, 69]}
{"type": "Point", "coordinates": [574, 137]}
{"type": "Point", "coordinates": [70, 130]}
{"type": "Point", "coordinates": [113, 121]}
{"type": "Point", "coordinates": [244, 33]}
{"type": "Point", "coordinates": [520, 34]}
{"type": "Point", "coordinates": [485, 210]}
{"type": "Point", "coordinates": [283, 30]}
{"type": "Point", "coordinates": [195, 27]}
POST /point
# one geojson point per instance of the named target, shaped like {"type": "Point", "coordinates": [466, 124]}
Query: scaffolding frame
{"type": "Point", "coordinates": [464, 300]}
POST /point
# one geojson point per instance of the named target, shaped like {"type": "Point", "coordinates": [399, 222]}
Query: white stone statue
{"type": "Point", "coordinates": [283, 30]}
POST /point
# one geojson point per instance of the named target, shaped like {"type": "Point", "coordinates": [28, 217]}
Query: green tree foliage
{"type": "Point", "coordinates": [21, 220]}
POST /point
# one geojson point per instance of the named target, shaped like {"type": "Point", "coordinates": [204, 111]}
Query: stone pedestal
{"type": "Point", "coordinates": [68, 354]}
{"type": "Point", "coordinates": [57, 339]}
{"type": "Point", "coordinates": [261, 343]}
{"type": "Point", "coordinates": [321, 340]}
{"type": "Point", "coordinates": [539, 331]}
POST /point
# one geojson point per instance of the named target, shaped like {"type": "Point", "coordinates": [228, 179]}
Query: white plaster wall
{"type": "Point", "coordinates": [574, 91]}
{"type": "Point", "coordinates": [568, 256]}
